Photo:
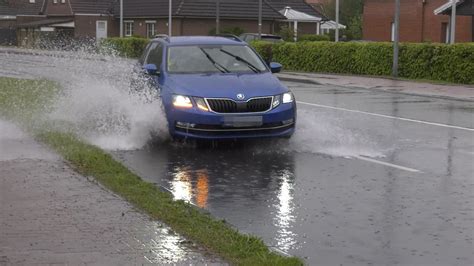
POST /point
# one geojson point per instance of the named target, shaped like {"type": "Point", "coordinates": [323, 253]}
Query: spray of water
{"type": "Point", "coordinates": [103, 99]}
{"type": "Point", "coordinates": [324, 133]}
{"type": "Point", "coordinates": [100, 106]}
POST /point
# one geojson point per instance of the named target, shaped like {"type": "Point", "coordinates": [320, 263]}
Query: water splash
{"type": "Point", "coordinates": [98, 105]}
{"type": "Point", "coordinates": [327, 134]}
{"type": "Point", "coordinates": [109, 115]}
{"type": "Point", "coordinates": [97, 102]}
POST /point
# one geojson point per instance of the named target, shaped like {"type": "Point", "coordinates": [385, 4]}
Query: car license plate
{"type": "Point", "coordinates": [243, 121]}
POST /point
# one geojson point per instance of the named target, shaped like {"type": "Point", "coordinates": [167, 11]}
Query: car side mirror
{"type": "Point", "coordinates": [151, 69]}
{"type": "Point", "coordinates": [275, 67]}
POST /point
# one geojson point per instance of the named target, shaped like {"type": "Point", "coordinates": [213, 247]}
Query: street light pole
{"type": "Point", "coordinates": [218, 14]}
{"type": "Point", "coordinates": [259, 19]}
{"type": "Point", "coordinates": [121, 18]}
{"type": "Point", "coordinates": [170, 19]}
{"type": "Point", "coordinates": [396, 39]}
{"type": "Point", "coordinates": [336, 37]}
{"type": "Point", "coordinates": [452, 38]}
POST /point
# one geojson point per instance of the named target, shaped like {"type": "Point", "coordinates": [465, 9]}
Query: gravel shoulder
{"type": "Point", "coordinates": [52, 215]}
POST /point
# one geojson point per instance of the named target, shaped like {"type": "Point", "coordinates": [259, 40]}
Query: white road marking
{"type": "Point", "coordinates": [387, 164]}
{"type": "Point", "coordinates": [466, 152]}
{"type": "Point", "coordinates": [387, 116]}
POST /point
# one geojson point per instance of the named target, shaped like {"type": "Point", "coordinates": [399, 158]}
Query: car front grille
{"type": "Point", "coordinates": [254, 105]}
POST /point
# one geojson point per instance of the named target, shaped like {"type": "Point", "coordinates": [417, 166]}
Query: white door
{"type": "Point", "coordinates": [101, 29]}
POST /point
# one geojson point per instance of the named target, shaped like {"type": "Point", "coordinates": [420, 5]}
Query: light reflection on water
{"type": "Point", "coordinates": [284, 219]}
{"type": "Point", "coordinates": [191, 186]}
{"type": "Point", "coordinates": [165, 246]}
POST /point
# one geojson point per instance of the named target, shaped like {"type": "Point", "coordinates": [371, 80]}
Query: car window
{"type": "Point", "coordinates": [156, 54]}
{"type": "Point", "coordinates": [145, 52]}
{"type": "Point", "coordinates": [213, 58]}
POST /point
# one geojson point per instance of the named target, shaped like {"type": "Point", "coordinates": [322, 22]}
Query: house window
{"type": "Point", "coordinates": [150, 29]}
{"type": "Point", "coordinates": [128, 28]}
{"type": "Point", "coordinates": [32, 1]}
{"type": "Point", "coordinates": [55, 1]}
{"type": "Point", "coordinates": [63, 1]}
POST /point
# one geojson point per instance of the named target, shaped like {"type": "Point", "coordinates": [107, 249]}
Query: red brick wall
{"type": "Point", "coordinates": [85, 26]}
{"type": "Point", "coordinates": [204, 26]}
{"type": "Point", "coordinates": [26, 19]}
{"type": "Point", "coordinates": [418, 23]}
{"type": "Point", "coordinates": [139, 26]}
{"type": "Point", "coordinates": [195, 26]}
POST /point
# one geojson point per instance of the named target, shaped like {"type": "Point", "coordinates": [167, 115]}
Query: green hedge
{"type": "Point", "coordinates": [128, 47]}
{"type": "Point", "coordinates": [451, 63]}
{"type": "Point", "coordinates": [313, 38]}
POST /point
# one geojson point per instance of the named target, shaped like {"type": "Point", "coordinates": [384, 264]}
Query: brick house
{"type": "Point", "coordinates": [301, 6]}
{"type": "Point", "coordinates": [418, 21]}
{"type": "Point", "coordinates": [198, 17]}
{"type": "Point", "coordinates": [10, 11]}
{"type": "Point", "coordinates": [33, 21]}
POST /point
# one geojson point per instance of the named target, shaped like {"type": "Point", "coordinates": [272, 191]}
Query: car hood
{"type": "Point", "coordinates": [225, 85]}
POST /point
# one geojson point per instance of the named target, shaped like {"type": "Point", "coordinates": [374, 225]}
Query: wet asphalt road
{"type": "Point", "coordinates": [349, 188]}
{"type": "Point", "coordinates": [356, 185]}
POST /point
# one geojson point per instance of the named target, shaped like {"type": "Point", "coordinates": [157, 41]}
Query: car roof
{"type": "Point", "coordinates": [263, 34]}
{"type": "Point", "coordinates": [198, 40]}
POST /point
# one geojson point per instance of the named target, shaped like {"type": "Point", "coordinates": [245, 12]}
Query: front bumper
{"type": "Point", "coordinates": [197, 124]}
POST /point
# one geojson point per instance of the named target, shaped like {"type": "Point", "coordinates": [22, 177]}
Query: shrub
{"type": "Point", "coordinates": [451, 63]}
{"type": "Point", "coordinates": [313, 38]}
{"type": "Point", "coordinates": [287, 33]}
{"type": "Point", "coordinates": [127, 47]}
{"type": "Point", "coordinates": [264, 49]}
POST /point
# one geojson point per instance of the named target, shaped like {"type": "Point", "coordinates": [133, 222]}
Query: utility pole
{"type": "Point", "coordinates": [170, 19]}
{"type": "Point", "coordinates": [452, 38]}
{"type": "Point", "coordinates": [396, 38]}
{"type": "Point", "coordinates": [259, 19]}
{"type": "Point", "coordinates": [336, 37]}
{"type": "Point", "coordinates": [218, 14]}
{"type": "Point", "coordinates": [121, 18]}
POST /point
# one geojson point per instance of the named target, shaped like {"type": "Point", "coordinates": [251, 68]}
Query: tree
{"type": "Point", "coordinates": [350, 15]}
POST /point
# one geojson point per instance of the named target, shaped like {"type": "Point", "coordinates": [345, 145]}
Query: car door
{"type": "Point", "coordinates": [155, 56]}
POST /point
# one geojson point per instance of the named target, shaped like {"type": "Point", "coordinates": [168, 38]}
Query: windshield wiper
{"type": "Point", "coordinates": [220, 67]}
{"type": "Point", "coordinates": [238, 58]}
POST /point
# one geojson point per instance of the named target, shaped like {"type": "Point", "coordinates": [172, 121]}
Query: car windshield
{"type": "Point", "coordinates": [213, 58]}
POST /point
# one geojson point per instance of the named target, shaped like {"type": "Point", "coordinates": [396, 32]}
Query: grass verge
{"type": "Point", "coordinates": [217, 236]}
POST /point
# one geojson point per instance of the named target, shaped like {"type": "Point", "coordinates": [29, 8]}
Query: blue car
{"type": "Point", "coordinates": [218, 88]}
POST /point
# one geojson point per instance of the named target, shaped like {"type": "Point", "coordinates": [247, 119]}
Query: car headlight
{"type": "Point", "coordinates": [201, 104]}
{"type": "Point", "coordinates": [182, 101]}
{"type": "Point", "coordinates": [276, 101]}
{"type": "Point", "coordinates": [287, 97]}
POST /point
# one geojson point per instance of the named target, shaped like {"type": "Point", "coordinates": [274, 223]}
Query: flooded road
{"type": "Point", "coordinates": [369, 178]}
{"type": "Point", "coordinates": [348, 189]}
